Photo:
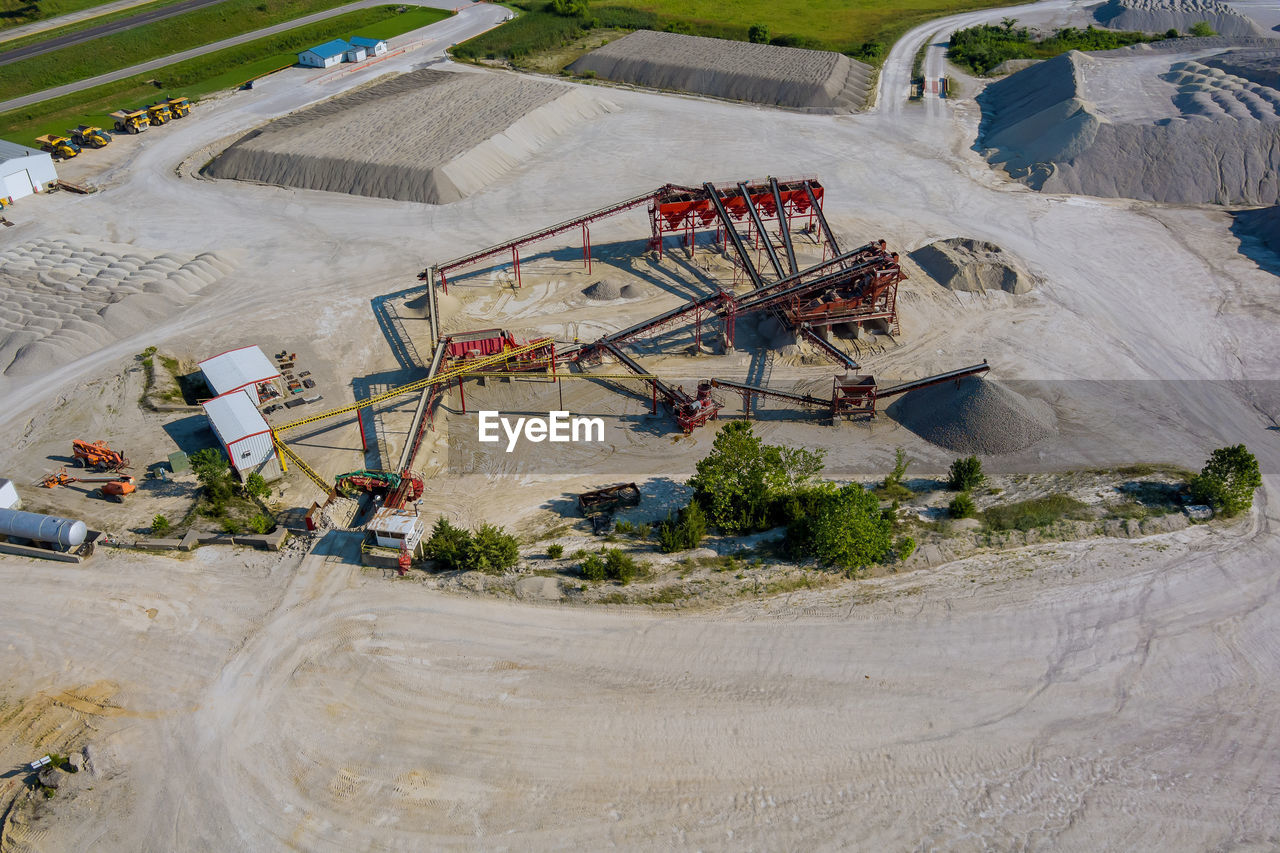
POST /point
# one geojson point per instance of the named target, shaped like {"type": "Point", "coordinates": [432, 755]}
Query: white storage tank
{"type": "Point", "coordinates": [62, 532]}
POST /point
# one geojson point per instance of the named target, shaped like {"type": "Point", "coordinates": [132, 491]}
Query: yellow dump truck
{"type": "Point", "coordinates": [158, 113]}
{"type": "Point", "coordinates": [90, 137]}
{"type": "Point", "coordinates": [179, 106]}
{"type": "Point", "coordinates": [131, 121]}
{"type": "Point", "coordinates": [61, 147]}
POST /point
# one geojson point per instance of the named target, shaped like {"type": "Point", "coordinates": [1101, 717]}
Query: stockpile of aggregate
{"type": "Point", "coordinates": [1158, 16]}
{"type": "Point", "coordinates": [62, 299]}
{"type": "Point", "coordinates": [975, 415]}
{"type": "Point", "coordinates": [962, 263]}
{"type": "Point", "coordinates": [1175, 131]}
{"type": "Point", "coordinates": [811, 80]}
{"type": "Point", "coordinates": [427, 136]}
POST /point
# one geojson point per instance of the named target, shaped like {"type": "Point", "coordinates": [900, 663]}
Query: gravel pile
{"type": "Point", "coordinates": [428, 136]}
{"type": "Point", "coordinates": [602, 290]}
{"type": "Point", "coordinates": [963, 263]}
{"type": "Point", "coordinates": [975, 415]}
{"type": "Point", "coordinates": [1157, 16]}
{"type": "Point", "coordinates": [1218, 143]}
{"type": "Point", "coordinates": [62, 299]}
{"type": "Point", "coordinates": [811, 80]}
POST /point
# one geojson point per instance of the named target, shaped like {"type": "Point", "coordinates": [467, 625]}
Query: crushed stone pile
{"type": "Point", "coordinates": [630, 291]}
{"type": "Point", "coordinates": [602, 290]}
{"type": "Point", "coordinates": [810, 80]}
{"type": "Point", "coordinates": [1261, 67]}
{"type": "Point", "coordinates": [975, 415]}
{"type": "Point", "coordinates": [427, 136]}
{"type": "Point", "coordinates": [1217, 141]}
{"type": "Point", "coordinates": [63, 299]}
{"type": "Point", "coordinates": [1157, 16]}
{"type": "Point", "coordinates": [962, 263]}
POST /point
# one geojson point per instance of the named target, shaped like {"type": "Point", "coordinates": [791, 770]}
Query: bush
{"type": "Point", "coordinates": [593, 568]}
{"type": "Point", "coordinates": [619, 565]}
{"type": "Point", "coordinates": [739, 481]}
{"type": "Point", "coordinates": [211, 470]}
{"type": "Point", "coordinates": [1201, 29]}
{"type": "Point", "coordinates": [904, 547]}
{"type": "Point", "coordinates": [159, 526]}
{"type": "Point", "coordinates": [965, 474]}
{"type": "Point", "coordinates": [1228, 480]}
{"type": "Point", "coordinates": [555, 552]}
{"type": "Point", "coordinates": [682, 531]}
{"type": "Point", "coordinates": [900, 464]}
{"type": "Point", "coordinates": [261, 523]}
{"type": "Point", "coordinates": [983, 47]}
{"type": "Point", "coordinates": [842, 527]}
{"type": "Point", "coordinates": [961, 506]}
{"type": "Point", "coordinates": [870, 51]}
{"type": "Point", "coordinates": [492, 550]}
{"type": "Point", "coordinates": [758, 34]}
{"type": "Point", "coordinates": [230, 525]}
{"type": "Point", "coordinates": [1033, 513]}
{"type": "Point", "coordinates": [570, 8]}
{"type": "Point", "coordinates": [623, 527]}
{"type": "Point", "coordinates": [255, 486]}
{"type": "Point", "coordinates": [448, 545]}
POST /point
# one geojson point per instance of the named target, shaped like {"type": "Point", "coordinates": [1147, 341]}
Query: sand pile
{"type": "Point", "coordinates": [811, 80]}
{"type": "Point", "coordinates": [1156, 16]}
{"type": "Point", "coordinates": [1137, 126]}
{"type": "Point", "coordinates": [975, 415]}
{"type": "Point", "coordinates": [63, 300]}
{"type": "Point", "coordinates": [963, 263]}
{"type": "Point", "coordinates": [427, 136]}
{"type": "Point", "coordinates": [602, 290]}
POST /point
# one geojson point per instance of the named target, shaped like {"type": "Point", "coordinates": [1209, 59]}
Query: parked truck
{"type": "Point", "coordinates": [159, 113]}
{"type": "Point", "coordinates": [131, 121]}
{"type": "Point", "coordinates": [87, 136]}
{"type": "Point", "coordinates": [61, 147]}
{"type": "Point", "coordinates": [180, 107]}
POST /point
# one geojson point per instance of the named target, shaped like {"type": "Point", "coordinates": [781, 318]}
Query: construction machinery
{"type": "Point", "coordinates": [112, 487]}
{"type": "Point", "coordinates": [131, 121]}
{"type": "Point", "coordinates": [97, 456]}
{"type": "Point", "coordinates": [159, 113]}
{"type": "Point", "coordinates": [405, 487]}
{"type": "Point", "coordinates": [88, 136]}
{"type": "Point", "coordinates": [180, 107]}
{"type": "Point", "coordinates": [600, 505]}
{"type": "Point", "coordinates": [61, 147]}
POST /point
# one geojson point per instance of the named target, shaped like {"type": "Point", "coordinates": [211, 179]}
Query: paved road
{"type": "Point", "coordinates": [103, 29]}
{"type": "Point", "coordinates": [69, 18]}
{"type": "Point", "coordinates": [111, 77]}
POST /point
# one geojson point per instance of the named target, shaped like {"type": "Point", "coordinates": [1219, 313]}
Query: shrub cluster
{"type": "Point", "coordinates": [490, 549]}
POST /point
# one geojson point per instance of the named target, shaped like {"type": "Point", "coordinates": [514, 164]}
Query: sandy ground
{"type": "Point", "coordinates": [1095, 695]}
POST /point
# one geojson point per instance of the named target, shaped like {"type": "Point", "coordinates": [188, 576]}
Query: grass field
{"type": "Point", "coordinates": [213, 72]}
{"type": "Point", "coordinates": [14, 44]}
{"type": "Point", "coordinates": [862, 28]}
{"type": "Point", "coordinates": [120, 50]}
{"type": "Point", "coordinates": [14, 13]}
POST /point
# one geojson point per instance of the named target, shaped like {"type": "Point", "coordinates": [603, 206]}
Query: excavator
{"type": "Point", "coordinates": [87, 136]}
{"type": "Point", "coordinates": [97, 455]}
{"type": "Point", "coordinates": [159, 113]}
{"type": "Point", "coordinates": [61, 147]}
{"type": "Point", "coordinates": [113, 487]}
{"type": "Point", "coordinates": [131, 121]}
{"type": "Point", "coordinates": [179, 106]}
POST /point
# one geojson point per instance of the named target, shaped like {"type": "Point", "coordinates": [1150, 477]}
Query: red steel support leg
{"type": "Point", "coordinates": [445, 282]}
{"type": "Point", "coordinates": [515, 262]}
{"type": "Point", "coordinates": [697, 332]}
{"type": "Point", "coordinates": [364, 442]}
{"type": "Point", "coordinates": [462, 397]}
{"type": "Point", "coordinates": [586, 246]}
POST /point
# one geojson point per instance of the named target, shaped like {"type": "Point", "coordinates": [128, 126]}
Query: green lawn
{"type": "Point", "coordinates": [120, 50]}
{"type": "Point", "coordinates": [34, 38]}
{"type": "Point", "coordinates": [14, 13]}
{"type": "Point", "coordinates": [862, 28]}
{"type": "Point", "coordinates": [224, 69]}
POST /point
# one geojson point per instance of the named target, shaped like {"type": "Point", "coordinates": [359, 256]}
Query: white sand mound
{"type": "Point", "coordinates": [1129, 125]}
{"type": "Point", "coordinates": [1157, 16]}
{"type": "Point", "coordinates": [62, 301]}
{"type": "Point", "coordinates": [429, 136]}
{"type": "Point", "coordinates": [975, 415]}
{"type": "Point", "coordinates": [962, 263]}
{"type": "Point", "coordinates": [602, 290]}
{"type": "Point", "coordinates": [811, 80]}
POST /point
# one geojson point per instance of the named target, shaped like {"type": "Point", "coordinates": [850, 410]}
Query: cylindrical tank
{"type": "Point", "coordinates": [62, 532]}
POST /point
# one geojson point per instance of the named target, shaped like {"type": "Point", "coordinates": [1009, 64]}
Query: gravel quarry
{"type": "Point", "coordinates": [427, 136]}
{"type": "Point", "coordinates": [1140, 124]}
{"type": "Point", "coordinates": [1157, 16]}
{"type": "Point", "coordinates": [809, 80]}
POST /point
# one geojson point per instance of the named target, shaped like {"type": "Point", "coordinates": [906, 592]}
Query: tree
{"type": "Point", "coordinates": [210, 468]}
{"type": "Point", "coordinates": [492, 550]}
{"type": "Point", "coordinates": [741, 477]}
{"type": "Point", "coordinates": [758, 34]}
{"type": "Point", "coordinates": [1172, 33]}
{"type": "Point", "coordinates": [870, 51]}
{"type": "Point", "coordinates": [1228, 480]}
{"type": "Point", "coordinates": [159, 526]}
{"type": "Point", "coordinates": [683, 531]}
{"type": "Point", "coordinates": [843, 527]}
{"type": "Point", "coordinates": [961, 506]}
{"type": "Point", "coordinates": [965, 474]}
{"type": "Point", "coordinates": [255, 486]}
{"type": "Point", "coordinates": [1008, 24]}
{"type": "Point", "coordinates": [448, 545]}
{"type": "Point", "coordinates": [570, 8]}
{"type": "Point", "coordinates": [593, 567]}
{"type": "Point", "coordinates": [892, 488]}
{"type": "Point", "coordinates": [1201, 29]}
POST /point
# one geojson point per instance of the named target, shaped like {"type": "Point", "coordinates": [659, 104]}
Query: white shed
{"type": "Point", "coordinates": [372, 47]}
{"type": "Point", "coordinates": [355, 54]}
{"type": "Point", "coordinates": [396, 528]}
{"type": "Point", "coordinates": [324, 55]}
{"type": "Point", "coordinates": [247, 368]}
{"type": "Point", "coordinates": [23, 171]}
{"type": "Point", "coordinates": [244, 435]}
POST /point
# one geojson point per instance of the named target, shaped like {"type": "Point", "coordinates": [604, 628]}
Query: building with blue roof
{"type": "Point", "coordinates": [372, 46]}
{"type": "Point", "coordinates": [330, 53]}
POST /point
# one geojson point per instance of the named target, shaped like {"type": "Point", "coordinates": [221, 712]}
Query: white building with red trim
{"type": "Point", "coordinates": [244, 434]}
{"type": "Point", "coordinates": [245, 368]}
